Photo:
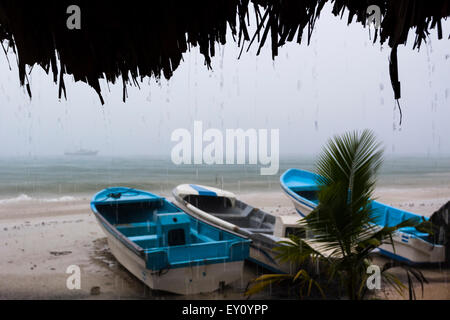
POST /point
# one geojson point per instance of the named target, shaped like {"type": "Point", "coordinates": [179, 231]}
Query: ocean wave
{"type": "Point", "coordinates": [25, 198]}
{"type": "Point", "coordinates": [59, 199]}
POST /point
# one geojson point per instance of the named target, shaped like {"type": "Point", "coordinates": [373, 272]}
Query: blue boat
{"type": "Point", "coordinates": [163, 246]}
{"type": "Point", "coordinates": [410, 245]}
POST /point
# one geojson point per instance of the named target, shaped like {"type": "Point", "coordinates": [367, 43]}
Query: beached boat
{"type": "Point", "coordinates": [163, 246]}
{"type": "Point", "coordinates": [222, 209]}
{"type": "Point", "coordinates": [410, 245]}
{"type": "Point", "coordinates": [81, 152]}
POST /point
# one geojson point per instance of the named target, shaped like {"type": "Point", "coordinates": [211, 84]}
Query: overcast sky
{"type": "Point", "coordinates": [340, 82]}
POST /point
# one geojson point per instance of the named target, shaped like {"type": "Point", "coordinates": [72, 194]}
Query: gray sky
{"type": "Point", "coordinates": [340, 82]}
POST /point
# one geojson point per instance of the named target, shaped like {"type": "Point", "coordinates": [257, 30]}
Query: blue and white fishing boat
{"type": "Point", "coordinates": [222, 209]}
{"type": "Point", "coordinates": [163, 246]}
{"type": "Point", "coordinates": [410, 245]}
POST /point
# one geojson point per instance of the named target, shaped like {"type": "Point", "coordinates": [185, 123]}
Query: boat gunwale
{"type": "Point", "coordinates": [181, 204]}
{"type": "Point", "coordinates": [245, 234]}
{"type": "Point", "coordinates": [298, 198]}
{"type": "Point", "coordinates": [150, 196]}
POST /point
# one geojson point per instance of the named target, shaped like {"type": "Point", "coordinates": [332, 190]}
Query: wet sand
{"type": "Point", "coordinates": [40, 240]}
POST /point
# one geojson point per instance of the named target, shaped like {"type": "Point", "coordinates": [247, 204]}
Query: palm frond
{"type": "Point", "coordinates": [344, 223]}
{"type": "Point", "coordinates": [264, 281]}
{"type": "Point", "coordinates": [411, 273]}
{"type": "Point", "coordinates": [346, 170]}
{"type": "Point", "coordinates": [394, 282]}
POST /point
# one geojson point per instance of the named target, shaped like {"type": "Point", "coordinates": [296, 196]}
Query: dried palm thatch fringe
{"type": "Point", "coordinates": [135, 39]}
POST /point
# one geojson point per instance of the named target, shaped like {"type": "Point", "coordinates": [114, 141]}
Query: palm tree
{"type": "Point", "coordinates": [342, 224]}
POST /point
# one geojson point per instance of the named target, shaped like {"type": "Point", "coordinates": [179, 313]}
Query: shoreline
{"type": "Point", "coordinates": [423, 201]}
{"type": "Point", "coordinates": [40, 239]}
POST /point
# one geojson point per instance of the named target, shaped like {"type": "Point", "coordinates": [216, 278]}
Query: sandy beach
{"type": "Point", "coordinates": [39, 240]}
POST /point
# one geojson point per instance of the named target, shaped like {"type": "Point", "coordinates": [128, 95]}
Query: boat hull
{"type": "Point", "coordinates": [266, 258]}
{"type": "Point", "coordinates": [412, 250]}
{"type": "Point", "coordinates": [406, 248]}
{"type": "Point", "coordinates": [185, 280]}
{"type": "Point", "coordinates": [301, 208]}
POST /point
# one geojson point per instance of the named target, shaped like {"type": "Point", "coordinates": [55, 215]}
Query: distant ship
{"type": "Point", "coordinates": [82, 152]}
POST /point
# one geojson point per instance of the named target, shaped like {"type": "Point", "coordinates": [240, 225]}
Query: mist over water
{"type": "Point", "coordinates": [66, 178]}
{"type": "Point", "coordinates": [339, 82]}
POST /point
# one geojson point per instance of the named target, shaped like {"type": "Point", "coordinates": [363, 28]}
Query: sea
{"type": "Point", "coordinates": [64, 178]}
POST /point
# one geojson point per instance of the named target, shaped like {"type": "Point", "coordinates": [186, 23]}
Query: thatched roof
{"type": "Point", "coordinates": [148, 38]}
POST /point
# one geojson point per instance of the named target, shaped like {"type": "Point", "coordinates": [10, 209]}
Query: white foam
{"type": "Point", "coordinates": [26, 198]}
{"type": "Point", "coordinates": [20, 198]}
{"type": "Point", "coordinates": [59, 199]}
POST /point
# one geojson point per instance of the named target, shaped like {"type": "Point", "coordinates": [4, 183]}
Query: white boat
{"type": "Point", "coordinates": [81, 152]}
{"type": "Point", "coordinates": [410, 245]}
{"type": "Point", "coordinates": [222, 209]}
{"type": "Point", "coordinates": [163, 246]}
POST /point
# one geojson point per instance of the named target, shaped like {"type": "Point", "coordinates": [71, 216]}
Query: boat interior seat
{"type": "Point", "coordinates": [259, 230]}
{"type": "Point", "coordinates": [135, 224]}
{"type": "Point", "coordinates": [170, 212]}
{"type": "Point", "coordinates": [145, 241]}
{"type": "Point", "coordinates": [246, 211]}
{"type": "Point", "coordinates": [198, 237]}
{"type": "Point", "coordinates": [145, 237]}
{"type": "Point", "coordinates": [137, 228]}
